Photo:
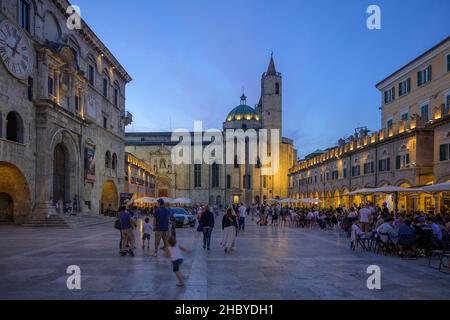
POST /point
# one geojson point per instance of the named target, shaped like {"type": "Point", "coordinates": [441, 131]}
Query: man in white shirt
{"type": "Point", "coordinates": [386, 231]}
{"type": "Point", "coordinates": [364, 218]}
{"type": "Point", "coordinates": [242, 216]}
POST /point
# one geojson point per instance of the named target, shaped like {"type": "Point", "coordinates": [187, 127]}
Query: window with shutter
{"type": "Point", "coordinates": [397, 162]}
{"type": "Point", "coordinates": [448, 62]}
{"type": "Point", "coordinates": [443, 152]}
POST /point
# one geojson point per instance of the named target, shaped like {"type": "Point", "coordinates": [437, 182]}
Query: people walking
{"type": "Point", "coordinates": [127, 236]}
{"type": "Point", "coordinates": [207, 222]}
{"type": "Point", "coordinates": [161, 225]}
{"type": "Point", "coordinates": [229, 227]}
{"type": "Point", "coordinates": [242, 215]}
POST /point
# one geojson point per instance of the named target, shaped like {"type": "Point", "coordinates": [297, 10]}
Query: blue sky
{"type": "Point", "coordinates": [190, 59]}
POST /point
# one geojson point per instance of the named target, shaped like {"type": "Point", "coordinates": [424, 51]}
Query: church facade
{"type": "Point", "coordinates": [224, 183]}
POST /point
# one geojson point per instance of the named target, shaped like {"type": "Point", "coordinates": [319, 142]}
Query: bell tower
{"type": "Point", "coordinates": [271, 89]}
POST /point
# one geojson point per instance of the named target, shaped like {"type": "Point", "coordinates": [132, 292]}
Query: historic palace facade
{"type": "Point", "coordinates": [223, 184]}
{"type": "Point", "coordinates": [62, 114]}
{"type": "Point", "coordinates": [411, 149]}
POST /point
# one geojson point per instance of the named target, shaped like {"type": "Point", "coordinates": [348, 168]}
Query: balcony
{"type": "Point", "coordinates": [127, 117]}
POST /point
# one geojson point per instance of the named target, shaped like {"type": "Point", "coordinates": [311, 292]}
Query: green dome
{"type": "Point", "coordinates": [243, 112]}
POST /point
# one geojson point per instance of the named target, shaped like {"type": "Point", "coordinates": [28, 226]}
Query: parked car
{"type": "Point", "coordinates": [182, 218]}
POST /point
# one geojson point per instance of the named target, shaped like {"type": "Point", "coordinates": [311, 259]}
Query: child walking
{"type": "Point", "coordinates": [174, 252]}
{"type": "Point", "coordinates": [147, 232]}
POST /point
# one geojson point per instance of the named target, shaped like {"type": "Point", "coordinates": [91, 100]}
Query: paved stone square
{"type": "Point", "coordinates": [268, 263]}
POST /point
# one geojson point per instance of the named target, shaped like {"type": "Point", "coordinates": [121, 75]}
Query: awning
{"type": "Point", "coordinates": [440, 187]}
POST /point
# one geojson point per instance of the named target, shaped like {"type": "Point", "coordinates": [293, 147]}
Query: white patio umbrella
{"type": "Point", "coordinates": [166, 199]}
{"type": "Point", "coordinates": [393, 189]}
{"type": "Point", "coordinates": [310, 200]}
{"type": "Point", "coordinates": [182, 200]}
{"type": "Point", "coordinates": [440, 187]}
{"type": "Point", "coordinates": [360, 191]}
{"type": "Point", "coordinates": [146, 200]}
{"type": "Point", "coordinates": [286, 201]}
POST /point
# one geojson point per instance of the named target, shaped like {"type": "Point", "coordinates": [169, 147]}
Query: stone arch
{"type": "Point", "coordinates": [337, 198]}
{"type": "Point", "coordinates": [403, 182]}
{"type": "Point", "coordinates": [52, 29]}
{"type": "Point", "coordinates": [62, 138]}
{"type": "Point", "coordinates": [383, 183]}
{"type": "Point", "coordinates": [163, 186]}
{"type": "Point", "coordinates": [404, 200]}
{"type": "Point", "coordinates": [345, 197]}
{"type": "Point", "coordinates": [328, 200]}
{"type": "Point", "coordinates": [110, 197]}
{"type": "Point", "coordinates": [14, 127]}
{"type": "Point", "coordinates": [15, 197]}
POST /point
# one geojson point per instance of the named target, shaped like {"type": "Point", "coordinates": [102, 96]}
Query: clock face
{"type": "Point", "coordinates": [15, 50]}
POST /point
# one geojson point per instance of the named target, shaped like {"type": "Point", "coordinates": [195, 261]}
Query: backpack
{"type": "Point", "coordinates": [117, 225]}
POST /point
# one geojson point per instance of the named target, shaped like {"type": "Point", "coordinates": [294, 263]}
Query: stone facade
{"type": "Point", "coordinates": [66, 115]}
{"type": "Point", "coordinates": [413, 151]}
{"type": "Point", "coordinates": [225, 183]}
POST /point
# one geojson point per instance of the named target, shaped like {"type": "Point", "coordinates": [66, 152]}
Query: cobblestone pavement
{"type": "Point", "coordinates": [268, 263]}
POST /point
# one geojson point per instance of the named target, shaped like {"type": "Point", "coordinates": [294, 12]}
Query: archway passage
{"type": "Point", "coordinates": [405, 202]}
{"type": "Point", "coordinates": [337, 199]}
{"type": "Point", "coordinates": [61, 180]}
{"type": "Point", "coordinates": [15, 202]}
{"type": "Point", "coordinates": [346, 198]}
{"type": "Point", "coordinates": [110, 197]}
{"type": "Point", "coordinates": [6, 208]}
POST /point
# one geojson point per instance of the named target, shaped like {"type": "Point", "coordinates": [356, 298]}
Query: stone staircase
{"type": "Point", "coordinates": [81, 220]}
{"type": "Point", "coordinates": [51, 221]}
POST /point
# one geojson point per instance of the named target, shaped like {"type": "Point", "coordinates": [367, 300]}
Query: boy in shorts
{"type": "Point", "coordinates": [173, 250]}
{"type": "Point", "coordinates": [147, 232]}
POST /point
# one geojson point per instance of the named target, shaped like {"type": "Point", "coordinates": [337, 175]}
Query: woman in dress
{"type": "Point", "coordinates": [229, 227]}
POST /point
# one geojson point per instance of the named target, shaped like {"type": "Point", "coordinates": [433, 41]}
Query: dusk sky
{"type": "Point", "coordinates": [189, 60]}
